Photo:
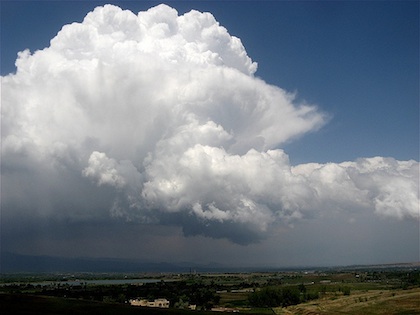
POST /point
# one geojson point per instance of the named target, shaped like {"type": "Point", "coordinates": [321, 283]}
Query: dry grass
{"type": "Point", "coordinates": [375, 302]}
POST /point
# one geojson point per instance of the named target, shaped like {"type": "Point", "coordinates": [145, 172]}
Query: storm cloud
{"type": "Point", "coordinates": [160, 118]}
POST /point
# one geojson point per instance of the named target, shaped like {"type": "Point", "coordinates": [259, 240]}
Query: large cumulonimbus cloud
{"type": "Point", "coordinates": [158, 117]}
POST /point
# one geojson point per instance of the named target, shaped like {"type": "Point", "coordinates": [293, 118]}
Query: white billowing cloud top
{"type": "Point", "coordinates": [164, 113]}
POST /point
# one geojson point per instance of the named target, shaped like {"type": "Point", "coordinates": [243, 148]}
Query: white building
{"type": "Point", "coordinates": [161, 303]}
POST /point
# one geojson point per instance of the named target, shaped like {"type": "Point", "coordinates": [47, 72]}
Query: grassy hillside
{"type": "Point", "coordinates": [373, 302]}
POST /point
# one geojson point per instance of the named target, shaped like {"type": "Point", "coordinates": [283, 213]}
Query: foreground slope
{"type": "Point", "coordinates": [375, 302]}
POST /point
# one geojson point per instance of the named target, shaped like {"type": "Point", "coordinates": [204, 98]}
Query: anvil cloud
{"type": "Point", "coordinates": [159, 118]}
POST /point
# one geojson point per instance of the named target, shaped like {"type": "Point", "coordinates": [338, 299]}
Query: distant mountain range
{"type": "Point", "coordinates": [10, 263]}
{"type": "Point", "coordinates": [17, 263]}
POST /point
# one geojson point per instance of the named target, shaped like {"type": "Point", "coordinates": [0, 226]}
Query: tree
{"type": "Point", "coordinates": [346, 290]}
{"type": "Point", "coordinates": [290, 296]}
{"type": "Point", "coordinates": [272, 297]}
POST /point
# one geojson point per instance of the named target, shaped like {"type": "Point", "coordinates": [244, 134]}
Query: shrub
{"type": "Point", "coordinates": [346, 291]}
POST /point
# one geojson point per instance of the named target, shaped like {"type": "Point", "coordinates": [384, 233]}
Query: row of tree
{"type": "Point", "coordinates": [280, 296]}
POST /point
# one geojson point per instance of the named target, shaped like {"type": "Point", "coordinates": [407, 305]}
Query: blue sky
{"type": "Point", "coordinates": [356, 63]}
